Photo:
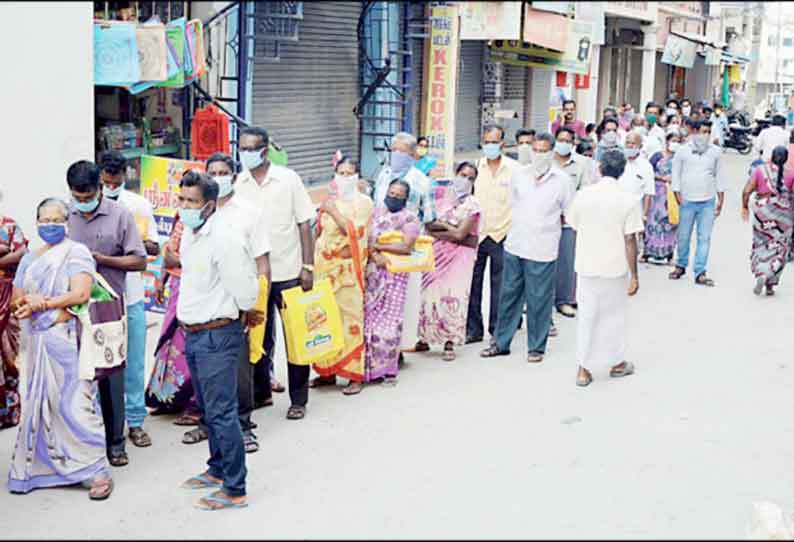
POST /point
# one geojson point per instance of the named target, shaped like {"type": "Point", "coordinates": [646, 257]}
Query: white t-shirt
{"type": "Point", "coordinates": [638, 178]}
{"type": "Point", "coordinates": [143, 213]}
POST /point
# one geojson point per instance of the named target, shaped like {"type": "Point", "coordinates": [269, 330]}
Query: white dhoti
{"type": "Point", "coordinates": [413, 298]}
{"type": "Point", "coordinates": [601, 316]}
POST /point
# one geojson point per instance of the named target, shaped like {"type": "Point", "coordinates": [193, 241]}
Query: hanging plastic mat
{"type": "Point", "coordinates": [152, 52]}
{"type": "Point", "coordinates": [115, 54]}
{"type": "Point", "coordinates": [194, 40]}
{"type": "Point", "coordinates": [175, 36]}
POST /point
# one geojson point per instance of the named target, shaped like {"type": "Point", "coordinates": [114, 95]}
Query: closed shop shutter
{"type": "Point", "coordinates": [467, 118]}
{"type": "Point", "coordinates": [515, 93]}
{"type": "Point", "coordinates": [305, 101]}
{"type": "Point", "coordinates": [541, 92]}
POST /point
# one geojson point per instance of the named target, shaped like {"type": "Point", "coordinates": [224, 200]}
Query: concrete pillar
{"type": "Point", "coordinates": [605, 67]}
{"type": "Point", "coordinates": [648, 65]}
{"type": "Point", "coordinates": [587, 99]}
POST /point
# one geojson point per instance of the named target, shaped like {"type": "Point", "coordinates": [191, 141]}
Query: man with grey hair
{"type": "Point", "coordinates": [539, 195]}
{"type": "Point", "coordinates": [420, 201]}
{"type": "Point", "coordinates": [606, 219]}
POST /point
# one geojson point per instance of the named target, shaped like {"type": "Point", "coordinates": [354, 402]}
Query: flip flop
{"type": "Point", "coordinates": [202, 481]}
{"type": "Point", "coordinates": [492, 351]}
{"type": "Point", "coordinates": [221, 500]}
{"type": "Point", "coordinates": [102, 490]}
{"type": "Point", "coordinates": [584, 382]}
{"type": "Point", "coordinates": [535, 357]}
{"type": "Point", "coordinates": [703, 280]}
{"type": "Point", "coordinates": [626, 370]}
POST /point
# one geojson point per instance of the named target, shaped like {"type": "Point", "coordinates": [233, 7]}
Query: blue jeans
{"type": "Point", "coordinates": [525, 281]}
{"type": "Point", "coordinates": [134, 378]}
{"type": "Point", "coordinates": [212, 359]}
{"type": "Point", "coordinates": [702, 214]}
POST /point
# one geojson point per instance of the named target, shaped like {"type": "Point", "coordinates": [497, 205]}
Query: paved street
{"type": "Point", "coordinates": [498, 448]}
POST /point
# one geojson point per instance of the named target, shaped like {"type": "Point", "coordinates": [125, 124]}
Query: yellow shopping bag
{"type": "Point", "coordinates": [421, 259]}
{"type": "Point", "coordinates": [312, 324]}
{"type": "Point", "coordinates": [256, 335]}
{"type": "Point", "coordinates": [672, 207]}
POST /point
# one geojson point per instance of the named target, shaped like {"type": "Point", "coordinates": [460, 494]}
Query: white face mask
{"type": "Point", "coordinates": [674, 146]}
{"type": "Point", "coordinates": [524, 154]}
{"type": "Point", "coordinates": [686, 110]}
{"type": "Point", "coordinates": [541, 162]}
{"type": "Point", "coordinates": [347, 185]}
{"type": "Point", "coordinates": [642, 130]}
{"type": "Point", "coordinates": [462, 186]}
{"type": "Point", "coordinates": [224, 185]}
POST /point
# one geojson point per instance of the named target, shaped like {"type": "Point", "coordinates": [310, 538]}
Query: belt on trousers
{"type": "Point", "coordinates": [212, 324]}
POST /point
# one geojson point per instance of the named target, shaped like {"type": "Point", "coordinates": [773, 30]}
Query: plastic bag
{"type": "Point", "coordinates": [256, 335]}
{"type": "Point", "coordinates": [768, 522]}
{"type": "Point", "coordinates": [673, 213]}
{"type": "Point", "coordinates": [312, 324]}
{"type": "Point", "coordinates": [422, 259]}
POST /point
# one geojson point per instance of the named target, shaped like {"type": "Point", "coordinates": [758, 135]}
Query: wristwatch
{"type": "Point", "coordinates": [308, 267]}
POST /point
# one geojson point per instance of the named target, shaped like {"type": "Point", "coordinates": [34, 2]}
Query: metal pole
{"type": "Point", "coordinates": [778, 84]}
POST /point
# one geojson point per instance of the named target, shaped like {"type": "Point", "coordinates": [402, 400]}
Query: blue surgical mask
{"type": "Point", "coordinates": [563, 148]}
{"type": "Point", "coordinates": [88, 206]}
{"type": "Point", "coordinates": [113, 193]}
{"type": "Point", "coordinates": [630, 153]}
{"type": "Point", "coordinates": [394, 204]}
{"type": "Point", "coordinates": [224, 185]}
{"type": "Point", "coordinates": [52, 234]}
{"type": "Point", "coordinates": [492, 150]}
{"type": "Point", "coordinates": [400, 162]}
{"type": "Point", "coordinates": [192, 218]}
{"type": "Point", "coordinates": [251, 159]}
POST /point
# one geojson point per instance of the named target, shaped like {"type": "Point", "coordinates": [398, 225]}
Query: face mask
{"type": "Point", "coordinates": [671, 111]}
{"type": "Point", "coordinates": [394, 204]}
{"type": "Point", "coordinates": [701, 142]}
{"type": "Point", "coordinates": [224, 185]}
{"type": "Point", "coordinates": [462, 186]}
{"type": "Point", "coordinates": [651, 118]}
{"type": "Point", "coordinates": [400, 162]}
{"type": "Point", "coordinates": [674, 146]}
{"type": "Point", "coordinates": [88, 206]}
{"type": "Point", "coordinates": [421, 151]}
{"type": "Point", "coordinates": [192, 218]}
{"type": "Point", "coordinates": [642, 130]}
{"type": "Point", "coordinates": [112, 193]}
{"type": "Point", "coordinates": [563, 148]}
{"type": "Point", "coordinates": [628, 115]}
{"type": "Point", "coordinates": [524, 154]}
{"type": "Point", "coordinates": [492, 150]}
{"type": "Point", "coordinates": [52, 234]}
{"type": "Point", "coordinates": [630, 153]}
{"type": "Point", "coordinates": [686, 110]}
{"type": "Point", "coordinates": [346, 185]}
{"type": "Point", "coordinates": [251, 159]}
{"type": "Point", "coordinates": [610, 139]}
{"type": "Point", "coordinates": [541, 162]}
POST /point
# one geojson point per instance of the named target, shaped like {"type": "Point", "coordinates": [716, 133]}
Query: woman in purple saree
{"type": "Point", "coordinates": [61, 439]}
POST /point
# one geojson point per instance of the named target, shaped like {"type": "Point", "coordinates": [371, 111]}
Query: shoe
{"type": "Point", "coordinates": [472, 340]}
{"type": "Point", "coordinates": [535, 357]}
{"type": "Point", "coordinates": [262, 403]}
{"type": "Point", "coordinates": [567, 311]}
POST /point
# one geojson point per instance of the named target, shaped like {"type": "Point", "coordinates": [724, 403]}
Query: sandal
{"type": "Point", "coordinates": [353, 388]}
{"type": "Point", "coordinates": [584, 378]}
{"type": "Point", "coordinates": [703, 280]}
{"type": "Point", "coordinates": [553, 330]}
{"type": "Point", "coordinates": [759, 285]}
{"type": "Point", "coordinates": [250, 443]}
{"type": "Point", "coordinates": [535, 357]}
{"type": "Point", "coordinates": [622, 369]}
{"type": "Point", "coordinates": [202, 481]}
{"type": "Point", "coordinates": [390, 381]}
{"type": "Point", "coordinates": [770, 291]}
{"type": "Point", "coordinates": [323, 381]}
{"type": "Point", "coordinates": [296, 412]}
{"type": "Point", "coordinates": [449, 352]}
{"type": "Point", "coordinates": [187, 419]}
{"type": "Point", "coordinates": [492, 352]}
{"type": "Point", "coordinates": [421, 346]}
{"type": "Point", "coordinates": [277, 387]}
{"type": "Point", "coordinates": [139, 437]}
{"type": "Point", "coordinates": [567, 311]}
{"type": "Point", "coordinates": [100, 489]}
{"type": "Point", "coordinates": [194, 436]}
{"type": "Point", "coordinates": [219, 501]}
{"type": "Point", "coordinates": [677, 273]}
{"type": "Point", "coordinates": [119, 459]}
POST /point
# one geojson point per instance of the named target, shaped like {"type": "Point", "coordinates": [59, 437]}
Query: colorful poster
{"type": "Point", "coordinates": [160, 179]}
{"type": "Point", "coordinates": [545, 29]}
{"type": "Point", "coordinates": [679, 52]}
{"type": "Point", "coordinates": [516, 53]}
{"type": "Point", "coordinates": [579, 45]}
{"type": "Point", "coordinates": [593, 12]}
{"type": "Point", "coordinates": [490, 20]}
{"type": "Point", "coordinates": [441, 85]}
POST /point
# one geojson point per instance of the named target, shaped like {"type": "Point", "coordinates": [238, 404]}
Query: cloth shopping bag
{"type": "Point", "coordinates": [422, 259]}
{"type": "Point", "coordinates": [672, 207]}
{"type": "Point", "coordinates": [312, 324]}
{"type": "Point", "coordinates": [256, 335]}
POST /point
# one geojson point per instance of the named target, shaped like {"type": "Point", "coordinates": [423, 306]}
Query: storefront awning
{"type": "Point", "coordinates": [699, 39]}
{"type": "Point", "coordinates": [732, 58]}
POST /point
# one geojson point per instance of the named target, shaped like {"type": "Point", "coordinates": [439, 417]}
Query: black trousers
{"type": "Point", "coordinates": [297, 375]}
{"type": "Point", "coordinates": [111, 399]}
{"type": "Point", "coordinates": [495, 251]}
{"type": "Point", "coordinates": [245, 389]}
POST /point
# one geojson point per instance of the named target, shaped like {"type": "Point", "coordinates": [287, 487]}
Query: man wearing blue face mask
{"type": "Point", "coordinates": [109, 231]}
{"type": "Point", "coordinates": [113, 175]}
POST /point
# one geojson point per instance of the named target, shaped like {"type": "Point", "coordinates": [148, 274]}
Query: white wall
{"type": "Point", "coordinates": [47, 94]}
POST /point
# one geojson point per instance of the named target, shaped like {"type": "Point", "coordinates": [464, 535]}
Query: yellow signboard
{"type": "Point", "coordinates": [441, 85]}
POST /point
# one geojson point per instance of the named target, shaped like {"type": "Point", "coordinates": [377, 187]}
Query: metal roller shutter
{"type": "Point", "coordinates": [467, 115]}
{"type": "Point", "coordinates": [541, 91]}
{"type": "Point", "coordinates": [306, 100]}
{"type": "Point", "coordinates": [515, 92]}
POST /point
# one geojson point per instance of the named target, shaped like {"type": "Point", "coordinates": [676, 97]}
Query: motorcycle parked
{"type": "Point", "coordinates": [737, 137]}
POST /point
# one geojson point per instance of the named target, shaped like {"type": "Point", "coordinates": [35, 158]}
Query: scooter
{"type": "Point", "coordinates": [737, 137]}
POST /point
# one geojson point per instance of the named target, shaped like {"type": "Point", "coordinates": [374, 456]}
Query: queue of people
{"type": "Point", "coordinates": [561, 227]}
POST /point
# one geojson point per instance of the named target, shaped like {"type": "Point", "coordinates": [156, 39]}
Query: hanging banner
{"type": "Point", "coordinates": [441, 85]}
{"type": "Point", "coordinates": [679, 52]}
{"type": "Point", "coordinates": [516, 53]}
{"type": "Point", "coordinates": [579, 45]}
{"type": "Point", "coordinates": [490, 20]}
{"type": "Point", "coordinates": [713, 56]}
{"type": "Point", "coordinates": [593, 12]}
{"type": "Point", "coordinates": [545, 29]}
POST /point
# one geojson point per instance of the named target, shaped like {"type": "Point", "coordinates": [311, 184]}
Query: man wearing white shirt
{"type": "Point", "coordinates": [656, 136]}
{"type": "Point", "coordinates": [539, 195]}
{"type": "Point", "coordinates": [218, 283]}
{"type": "Point", "coordinates": [772, 137]}
{"type": "Point", "coordinates": [606, 219]}
{"type": "Point", "coordinates": [279, 192]}
{"type": "Point", "coordinates": [113, 175]}
{"type": "Point", "coordinates": [638, 177]}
